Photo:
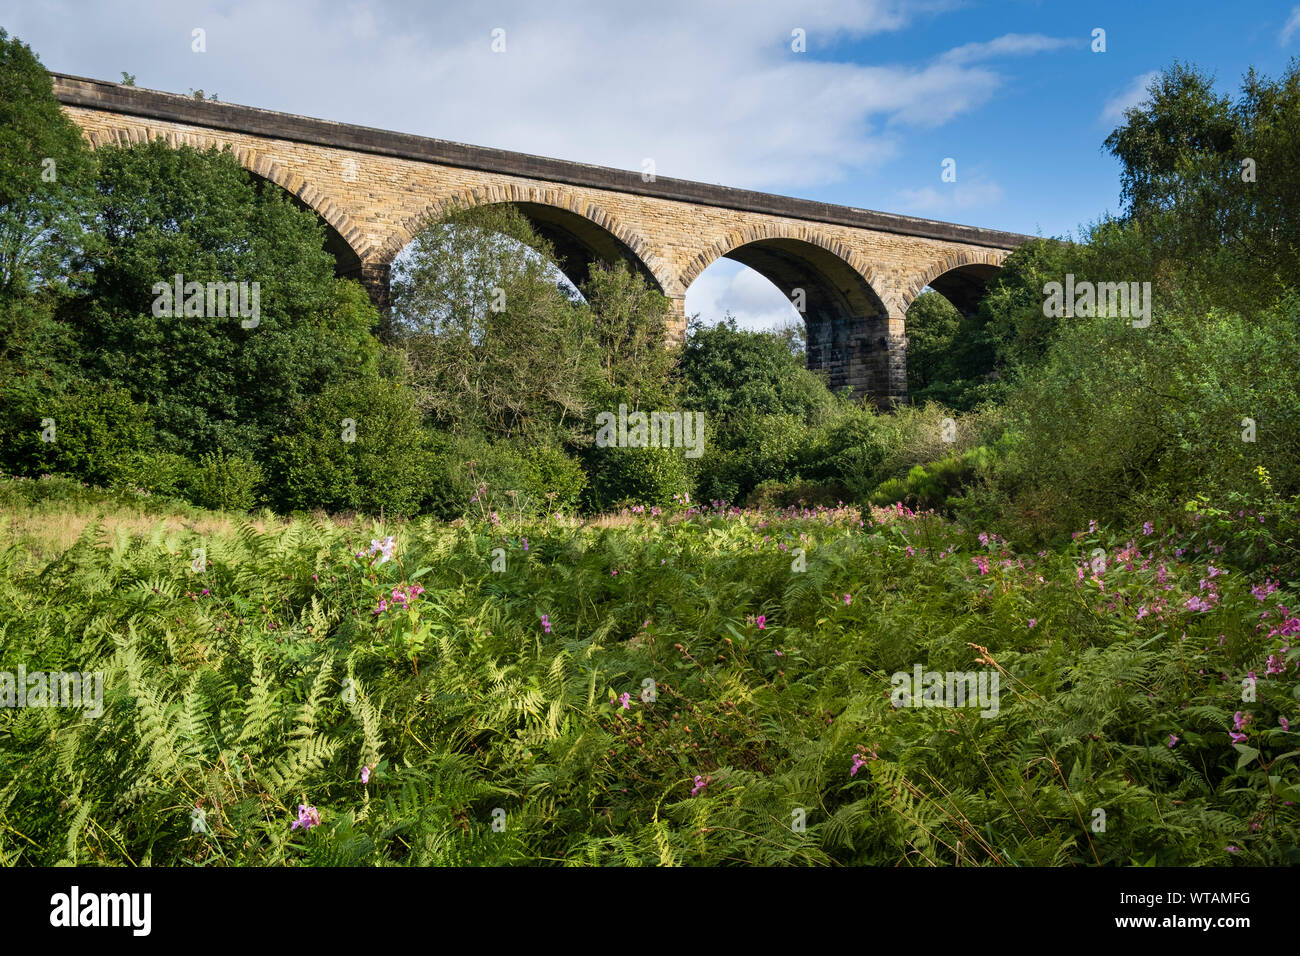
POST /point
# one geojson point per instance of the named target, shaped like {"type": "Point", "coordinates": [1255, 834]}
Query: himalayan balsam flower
{"type": "Point", "coordinates": [308, 817]}
{"type": "Point", "coordinates": [762, 621]}
{"type": "Point", "coordinates": [365, 772]}
{"type": "Point", "coordinates": [624, 699]}
{"type": "Point", "coordinates": [1033, 621]}
{"type": "Point", "coordinates": [386, 548]}
{"type": "Point", "coordinates": [1173, 739]}
{"type": "Point", "coordinates": [546, 623]}
{"type": "Point", "coordinates": [859, 762]}
{"type": "Point", "coordinates": [1286, 724]}
{"type": "Point", "coordinates": [847, 600]}
{"type": "Point", "coordinates": [700, 784]}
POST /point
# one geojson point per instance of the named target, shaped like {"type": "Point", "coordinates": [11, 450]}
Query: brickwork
{"type": "Point", "coordinates": [375, 191]}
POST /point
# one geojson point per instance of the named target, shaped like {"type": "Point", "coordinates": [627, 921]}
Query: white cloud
{"type": "Point", "coordinates": [710, 92]}
{"type": "Point", "coordinates": [1010, 44]}
{"type": "Point", "coordinates": [728, 286]}
{"type": "Point", "coordinates": [1135, 93]}
{"type": "Point", "coordinates": [948, 198]}
{"type": "Point", "coordinates": [1290, 27]}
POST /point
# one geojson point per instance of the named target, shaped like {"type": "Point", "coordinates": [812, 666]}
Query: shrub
{"type": "Point", "coordinates": [635, 476]}
{"type": "Point", "coordinates": [97, 432]}
{"type": "Point", "coordinates": [768, 495]}
{"type": "Point", "coordinates": [554, 480]}
{"type": "Point", "coordinates": [936, 485]}
{"type": "Point", "coordinates": [224, 482]}
{"type": "Point", "coordinates": [163, 472]}
{"type": "Point", "coordinates": [748, 449]}
{"type": "Point", "coordinates": [357, 446]}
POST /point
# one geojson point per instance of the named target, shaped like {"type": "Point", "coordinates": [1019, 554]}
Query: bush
{"type": "Point", "coordinates": [936, 485]}
{"type": "Point", "coordinates": [163, 473]}
{"type": "Point", "coordinates": [749, 449]}
{"type": "Point", "coordinates": [1118, 415]}
{"type": "Point", "coordinates": [554, 480]}
{"type": "Point", "coordinates": [89, 431]}
{"type": "Point", "coordinates": [223, 482]}
{"type": "Point", "coordinates": [769, 495]}
{"type": "Point", "coordinates": [357, 446]}
{"type": "Point", "coordinates": [635, 476]}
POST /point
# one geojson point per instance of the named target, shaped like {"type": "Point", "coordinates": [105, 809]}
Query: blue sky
{"type": "Point", "coordinates": [865, 116]}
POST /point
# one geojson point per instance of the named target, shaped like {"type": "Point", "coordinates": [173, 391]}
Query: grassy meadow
{"type": "Point", "coordinates": [699, 686]}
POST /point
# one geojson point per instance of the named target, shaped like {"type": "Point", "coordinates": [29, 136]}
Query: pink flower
{"type": "Point", "coordinates": [624, 699]}
{"type": "Point", "coordinates": [859, 762]}
{"type": "Point", "coordinates": [848, 599]}
{"type": "Point", "coordinates": [1261, 591]}
{"type": "Point", "coordinates": [1286, 724]}
{"type": "Point", "coordinates": [308, 817]}
{"type": "Point", "coordinates": [762, 621]}
{"type": "Point", "coordinates": [365, 772]}
{"type": "Point", "coordinates": [546, 624]}
{"type": "Point", "coordinates": [1033, 621]}
{"type": "Point", "coordinates": [700, 784]}
{"type": "Point", "coordinates": [1172, 739]}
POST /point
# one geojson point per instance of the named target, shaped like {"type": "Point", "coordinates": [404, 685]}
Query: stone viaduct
{"type": "Point", "coordinates": [858, 270]}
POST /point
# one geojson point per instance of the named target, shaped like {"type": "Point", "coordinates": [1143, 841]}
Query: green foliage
{"type": "Point", "coordinates": [355, 446]}
{"type": "Point", "coordinates": [630, 326]}
{"type": "Point", "coordinates": [727, 370]}
{"type": "Point", "coordinates": [496, 346]}
{"type": "Point", "coordinates": [636, 476]}
{"type": "Point", "coordinates": [1178, 426]}
{"type": "Point", "coordinates": [748, 449]}
{"type": "Point", "coordinates": [934, 486]}
{"type": "Point", "coordinates": [553, 479]}
{"type": "Point", "coordinates": [757, 727]}
{"type": "Point", "coordinates": [45, 172]}
{"type": "Point", "coordinates": [932, 324]}
{"type": "Point", "coordinates": [209, 380]}
{"type": "Point", "coordinates": [223, 482]}
{"type": "Point", "coordinates": [1187, 183]}
{"type": "Point", "coordinates": [83, 430]}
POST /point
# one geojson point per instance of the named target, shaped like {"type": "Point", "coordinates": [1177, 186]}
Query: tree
{"type": "Point", "coordinates": [355, 446]}
{"type": "Point", "coordinates": [726, 370]}
{"type": "Point", "coordinates": [46, 170]}
{"type": "Point", "coordinates": [630, 326]}
{"type": "Point", "coordinates": [496, 344]}
{"type": "Point", "coordinates": [1213, 184]}
{"type": "Point", "coordinates": [211, 380]}
{"type": "Point", "coordinates": [932, 322]}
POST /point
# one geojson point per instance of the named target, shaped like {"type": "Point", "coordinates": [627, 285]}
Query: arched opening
{"type": "Point", "coordinates": [964, 286]}
{"type": "Point", "coordinates": [347, 264]}
{"type": "Point", "coordinates": [578, 242]}
{"type": "Point", "coordinates": [847, 337]}
{"type": "Point", "coordinates": [948, 356]}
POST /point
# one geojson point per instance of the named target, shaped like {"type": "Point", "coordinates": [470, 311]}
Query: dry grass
{"type": "Point", "coordinates": [45, 532]}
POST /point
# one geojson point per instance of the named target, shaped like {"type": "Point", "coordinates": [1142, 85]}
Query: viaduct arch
{"type": "Point", "coordinates": [853, 271]}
